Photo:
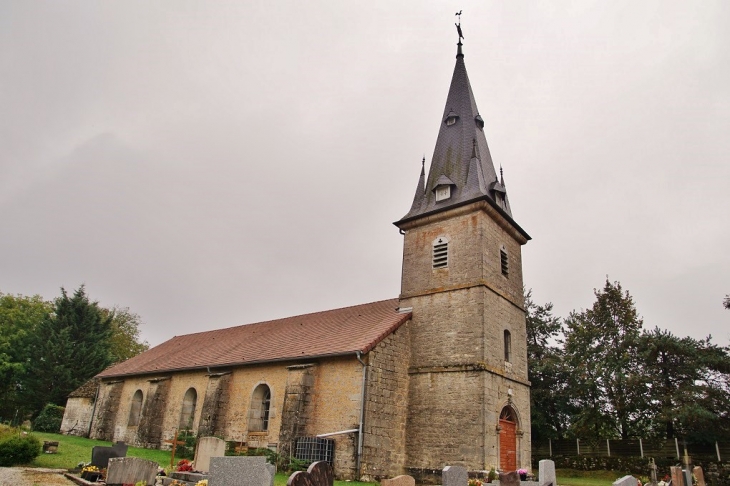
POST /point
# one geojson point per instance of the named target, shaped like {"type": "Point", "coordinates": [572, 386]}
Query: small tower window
{"type": "Point", "coordinates": [443, 192]}
{"type": "Point", "coordinates": [441, 252]}
{"type": "Point", "coordinates": [507, 346]}
{"type": "Point", "coordinates": [451, 118]}
{"type": "Point", "coordinates": [504, 261]}
{"type": "Point", "coordinates": [479, 122]}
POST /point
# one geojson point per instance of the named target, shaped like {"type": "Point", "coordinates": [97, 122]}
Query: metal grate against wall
{"type": "Point", "coordinates": [312, 449]}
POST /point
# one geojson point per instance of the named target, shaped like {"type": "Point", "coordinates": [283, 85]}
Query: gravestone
{"type": "Point", "coordinates": [546, 474]}
{"type": "Point", "coordinates": [241, 471]}
{"type": "Point", "coordinates": [402, 480]}
{"type": "Point", "coordinates": [208, 447]}
{"type": "Point", "coordinates": [700, 475]}
{"type": "Point", "coordinates": [100, 455]}
{"type": "Point", "coordinates": [509, 479]}
{"type": "Point", "coordinates": [318, 474]}
{"type": "Point", "coordinates": [454, 476]}
{"type": "Point", "coordinates": [130, 470]}
{"type": "Point", "coordinates": [626, 481]}
{"type": "Point", "coordinates": [675, 472]}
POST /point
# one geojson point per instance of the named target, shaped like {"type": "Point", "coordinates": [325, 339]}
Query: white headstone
{"type": "Point", "coordinates": [626, 481]}
{"type": "Point", "coordinates": [546, 473]}
{"type": "Point", "coordinates": [208, 447]}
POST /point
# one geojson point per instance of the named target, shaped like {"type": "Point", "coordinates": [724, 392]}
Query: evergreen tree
{"type": "Point", "coordinates": [19, 318]}
{"type": "Point", "coordinates": [607, 383]}
{"type": "Point", "coordinates": [72, 345]}
{"type": "Point", "coordinates": [549, 395]}
{"type": "Point", "coordinates": [124, 339]}
{"type": "Point", "coordinates": [689, 381]}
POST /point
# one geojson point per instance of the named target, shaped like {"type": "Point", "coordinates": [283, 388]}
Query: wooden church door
{"type": "Point", "coordinates": [507, 440]}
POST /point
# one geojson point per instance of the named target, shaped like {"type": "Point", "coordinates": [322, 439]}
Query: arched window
{"type": "Point", "coordinates": [507, 346]}
{"type": "Point", "coordinates": [187, 414]}
{"type": "Point", "coordinates": [135, 411]}
{"type": "Point", "coordinates": [258, 417]}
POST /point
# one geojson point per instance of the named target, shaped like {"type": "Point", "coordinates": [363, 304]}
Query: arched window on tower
{"type": "Point", "coordinates": [258, 417]}
{"type": "Point", "coordinates": [135, 411]}
{"type": "Point", "coordinates": [187, 414]}
{"type": "Point", "coordinates": [507, 346]}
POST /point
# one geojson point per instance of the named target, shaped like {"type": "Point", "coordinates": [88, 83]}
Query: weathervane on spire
{"type": "Point", "coordinates": [458, 26]}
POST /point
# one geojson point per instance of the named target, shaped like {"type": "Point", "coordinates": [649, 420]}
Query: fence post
{"type": "Point", "coordinates": [577, 444]}
{"type": "Point", "coordinates": [641, 447]}
{"type": "Point", "coordinates": [717, 449]}
{"type": "Point", "coordinates": [608, 447]}
{"type": "Point", "coordinates": [550, 444]}
{"type": "Point", "coordinates": [676, 444]}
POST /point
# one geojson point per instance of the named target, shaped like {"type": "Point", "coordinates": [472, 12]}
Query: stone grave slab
{"type": "Point", "coordinates": [208, 447]}
{"type": "Point", "coordinates": [626, 481]}
{"type": "Point", "coordinates": [130, 470]}
{"type": "Point", "coordinates": [100, 455]}
{"type": "Point", "coordinates": [546, 473]}
{"type": "Point", "coordinates": [700, 475]}
{"type": "Point", "coordinates": [509, 479]}
{"type": "Point", "coordinates": [241, 471]}
{"type": "Point", "coordinates": [319, 473]}
{"type": "Point", "coordinates": [402, 480]}
{"type": "Point", "coordinates": [454, 476]}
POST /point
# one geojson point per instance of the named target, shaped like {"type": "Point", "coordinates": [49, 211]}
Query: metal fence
{"type": "Point", "coordinates": [313, 449]}
{"type": "Point", "coordinates": [673, 448]}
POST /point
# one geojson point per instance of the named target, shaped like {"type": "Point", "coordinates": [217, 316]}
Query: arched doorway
{"type": "Point", "coordinates": [508, 440]}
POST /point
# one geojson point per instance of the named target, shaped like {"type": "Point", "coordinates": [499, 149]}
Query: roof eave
{"type": "Point", "coordinates": [489, 200]}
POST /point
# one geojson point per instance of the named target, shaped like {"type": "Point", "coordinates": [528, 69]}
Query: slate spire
{"type": "Point", "coordinates": [461, 159]}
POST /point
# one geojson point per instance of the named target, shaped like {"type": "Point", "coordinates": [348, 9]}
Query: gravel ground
{"type": "Point", "coordinates": [26, 476]}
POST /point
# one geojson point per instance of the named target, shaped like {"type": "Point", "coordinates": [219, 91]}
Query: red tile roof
{"type": "Point", "coordinates": [328, 333]}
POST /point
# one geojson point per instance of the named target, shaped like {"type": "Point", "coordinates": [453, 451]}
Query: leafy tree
{"type": "Point", "coordinates": [19, 319]}
{"type": "Point", "coordinates": [607, 384]}
{"type": "Point", "coordinates": [124, 340]}
{"type": "Point", "coordinates": [689, 386]}
{"type": "Point", "coordinates": [71, 345]}
{"type": "Point", "coordinates": [549, 395]}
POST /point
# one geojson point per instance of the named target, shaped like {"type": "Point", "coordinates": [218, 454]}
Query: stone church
{"type": "Point", "coordinates": [435, 377]}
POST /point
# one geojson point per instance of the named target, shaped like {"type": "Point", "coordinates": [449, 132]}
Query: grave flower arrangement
{"type": "Point", "coordinates": [522, 473]}
{"type": "Point", "coordinates": [474, 482]}
{"type": "Point", "coordinates": [184, 465]}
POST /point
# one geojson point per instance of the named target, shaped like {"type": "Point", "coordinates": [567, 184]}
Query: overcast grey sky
{"type": "Point", "coordinates": [210, 164]}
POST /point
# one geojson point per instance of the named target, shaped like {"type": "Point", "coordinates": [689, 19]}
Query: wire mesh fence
{"type": "Point", "coordinates": [667, 448]}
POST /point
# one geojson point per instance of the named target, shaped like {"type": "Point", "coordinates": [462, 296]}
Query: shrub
{"type": "Point", "coordinates": [16, 450]}
{"type": "Point", "coordinates": [50, 418]}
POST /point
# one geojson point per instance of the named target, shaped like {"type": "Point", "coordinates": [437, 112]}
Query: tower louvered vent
{"type": "Point", "coordinates": [441, 252]}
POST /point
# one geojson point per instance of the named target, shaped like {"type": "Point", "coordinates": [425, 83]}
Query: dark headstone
{"type": "Point", "coordinates": [509, 479]}
{"type": "Point", "coordinates": [100, 455]}
{"type": "Point", "coordinates": [319, 474]}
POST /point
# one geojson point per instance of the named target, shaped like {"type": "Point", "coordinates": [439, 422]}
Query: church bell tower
{"type": "Point", "coordinates": [469, 398]}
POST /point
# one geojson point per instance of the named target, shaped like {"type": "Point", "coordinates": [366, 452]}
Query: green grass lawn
{"type": "Point", "coordinates": [571, 477]}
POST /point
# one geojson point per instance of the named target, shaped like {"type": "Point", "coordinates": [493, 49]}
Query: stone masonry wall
{"type": "Point", "coordinates": [459, 377]}
{"type": "Point", "coordinates": [154, 411]}
{"type": "Point", "coordinates": [214, 406]}
{"type": "Point", "coordinates": [77, 416]}
{"type": "Point", "coordinates": [386, 409]}
{"type": "Point", "coordinates": [297, 408]}
{"type": "Point", "coordinates": [107, 411]}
